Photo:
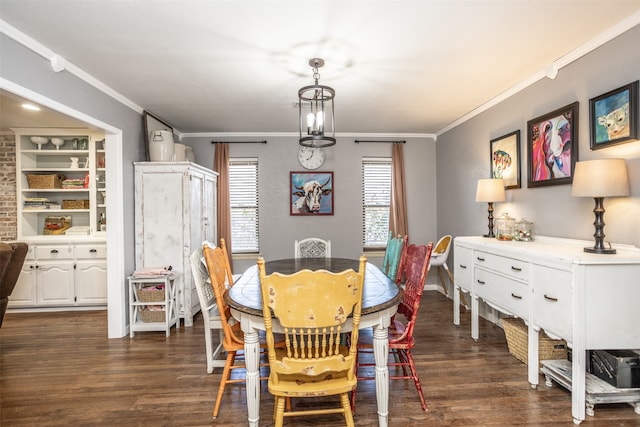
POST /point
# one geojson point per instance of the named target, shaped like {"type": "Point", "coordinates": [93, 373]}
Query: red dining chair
{"type": "Point", "coordinates": [413, 269]}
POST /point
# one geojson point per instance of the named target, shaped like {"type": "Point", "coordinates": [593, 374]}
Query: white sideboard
{"type": "Point", "coordinates": [589, 300]}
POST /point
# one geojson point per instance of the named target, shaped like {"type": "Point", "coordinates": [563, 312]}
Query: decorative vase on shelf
{"type": "Point", "coordinates": [161, 146]}
{"type": "Point", "coordinates": [179, 154]}
{"type": "Point", "coordinates": [189, 154]}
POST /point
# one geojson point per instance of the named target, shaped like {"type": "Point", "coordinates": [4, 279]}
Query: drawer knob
{"type": "Point", "coordinates": [54, 251]}
{"type": "Point", "coordinates": [93, 251]}
{"type": "Point", "coordinates": [480, 282]}
{"type": "Point", "coordinates": [516, 296]}
{"type": "Point", "coordinates": [547, 297]}
{"type": "Point", "coordinates": [516, 268]}
{"type": "Point", "coordinates": [479, 259]}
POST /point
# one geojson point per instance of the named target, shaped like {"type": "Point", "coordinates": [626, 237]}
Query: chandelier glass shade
{"type": "Point", "coordinates": [315, 111]}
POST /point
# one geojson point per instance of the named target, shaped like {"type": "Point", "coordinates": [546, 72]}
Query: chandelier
{"type": "Point", "coordinates": [315, 109]}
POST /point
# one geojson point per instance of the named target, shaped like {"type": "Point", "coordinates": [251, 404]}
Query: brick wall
{"type": "Point", "coordinates": [8, 203]}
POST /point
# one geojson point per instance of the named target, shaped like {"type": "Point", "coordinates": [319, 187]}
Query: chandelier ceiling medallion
{"type": "Point", "coordinates": [315, 109]}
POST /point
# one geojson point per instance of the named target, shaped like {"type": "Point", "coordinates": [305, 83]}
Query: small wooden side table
{"type": "Point", "coordinates": [143, 319]}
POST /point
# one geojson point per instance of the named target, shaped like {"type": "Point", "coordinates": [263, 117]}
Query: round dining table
{"type": "Point", "coordinates": [380, 300]}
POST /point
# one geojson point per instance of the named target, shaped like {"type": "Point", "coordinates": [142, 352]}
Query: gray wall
{"type": "Point", "coordinates": [25, 68]}
{"type": "Point", "coordinates": [463, 154]}
{"type": "Point", "coordinates": [278, 157]}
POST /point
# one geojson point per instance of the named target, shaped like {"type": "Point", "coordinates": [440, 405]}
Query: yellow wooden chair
{"type": "Point", "coordinates": [312, 307]}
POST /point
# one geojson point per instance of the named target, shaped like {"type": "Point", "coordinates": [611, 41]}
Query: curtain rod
{"type": "Point", "coordinates": [358, 141]}
{"type": "Point", "coordinates": [239, 142]}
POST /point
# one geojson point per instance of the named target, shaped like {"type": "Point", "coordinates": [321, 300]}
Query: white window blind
{"type": "Point", "coordinates": [243, 198]}
{"type": "Point", "coordinates": [376, 200]}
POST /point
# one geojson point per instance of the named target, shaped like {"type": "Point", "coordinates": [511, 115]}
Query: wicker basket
{"type": "Point", "coordinates": [517, 340]}
{"type": "Point", "coordinates": [150, 294]}
{"type": "Point", "coordinates": [149, 316]}
{"type": "Point", "coordinates": [75, 204]}
{"type": "Point", "coordinates": [43, 181]}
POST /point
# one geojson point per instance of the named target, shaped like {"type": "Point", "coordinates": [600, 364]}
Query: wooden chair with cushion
{"type": "Point", "coordinates": [392, 255]}
{"type": "Point", "coordinates": [312, 248]}
{"type": "Point", "coordinates": [313, 308]}
{"type": "Point", "coordinates": [415, 263]}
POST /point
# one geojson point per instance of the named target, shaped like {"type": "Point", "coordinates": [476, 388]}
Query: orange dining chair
{"type": "Point", "coordinates": [233, 339]}
{"type": "Point", "coordinates": [414, 266]}
{"type": "Point", "coordinates": [392, 255]}
{"type": "Point", "coordinates": [220, 276]}
{"type": "Point", "coordinates": [312, 307]}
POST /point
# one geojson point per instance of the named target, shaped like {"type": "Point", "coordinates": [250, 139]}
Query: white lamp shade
{"type": "Point", "coordinates": [490, 190]}
{"type": "Point", "coordinates": [600, 178]}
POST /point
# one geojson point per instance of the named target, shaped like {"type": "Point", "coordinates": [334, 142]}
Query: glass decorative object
{"type": "Point", "coordinates": [505, 227]}
{"type": "Point", "coordinates": [524, 231]}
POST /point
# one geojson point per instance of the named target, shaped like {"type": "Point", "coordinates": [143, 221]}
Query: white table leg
{"type": "Point", "coordinates": [381, 354]}
{"type": "Point", "coordinates": [252, 360]}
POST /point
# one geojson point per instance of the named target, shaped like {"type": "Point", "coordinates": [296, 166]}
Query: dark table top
{"type": "Point", "coordinates": [379, 292]}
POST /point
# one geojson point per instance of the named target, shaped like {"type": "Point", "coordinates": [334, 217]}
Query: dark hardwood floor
{"type": "Point", "coordinates": [59, 369]}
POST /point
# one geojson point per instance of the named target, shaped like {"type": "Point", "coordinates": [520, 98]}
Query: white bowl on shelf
{"type": "Point", "coordinates": [39, 141]}
{"type": "Point", "coordinates": [58, 142]}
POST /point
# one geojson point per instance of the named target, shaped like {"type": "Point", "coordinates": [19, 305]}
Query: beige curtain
{"type": "Point", "coordinates": [221, 165]}
{"type": "Point", "coordinates": [398, 216]}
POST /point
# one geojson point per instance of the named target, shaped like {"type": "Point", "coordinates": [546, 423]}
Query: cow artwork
{"type": "Point", "coordinates": [311, 193]}
{"type": "Point", "coordinates": [614, 116]}
{"type": "Point", "coordinates": [552, 146]}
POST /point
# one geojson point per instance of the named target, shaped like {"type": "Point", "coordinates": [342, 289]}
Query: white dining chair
{"type": "Point", "coordinates": [312, 247]}
{"type": "Point", "coordinates": [210, 314]}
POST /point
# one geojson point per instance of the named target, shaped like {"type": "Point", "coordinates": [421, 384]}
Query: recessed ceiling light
{"type": "Point", "coordinates": [31, 107]}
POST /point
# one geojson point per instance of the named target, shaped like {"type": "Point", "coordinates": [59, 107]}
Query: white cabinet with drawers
{"type": "Point", "coordinates": [62, 275]}
{"type": "Point", "coordinates": [589, 300]}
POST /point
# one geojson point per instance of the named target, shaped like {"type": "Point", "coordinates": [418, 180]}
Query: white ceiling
{"type": "Point", "coordinates": [411, 67]}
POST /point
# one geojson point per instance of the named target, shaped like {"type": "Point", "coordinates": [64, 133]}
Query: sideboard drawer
{"type": "Point", "coordinates": [507, 295]}
{"type": "Point", "coordinates": [515, 268]}
{"type": "Point", "coordinates": [552, 303]}
{"type": "Point", "coordinates": [463, 269]}
{"type": "Point", "coordinates": [54, 252]}
{"type": "Point", "coordinates": [91, 251]}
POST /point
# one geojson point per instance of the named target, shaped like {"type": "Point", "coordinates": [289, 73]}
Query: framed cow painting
{"type": "Point", "coordinates": [552, 147]}
{"type": "Point", "coordinates": [614, 116]}
{"type": "Point", "coordinates": [311, 193]}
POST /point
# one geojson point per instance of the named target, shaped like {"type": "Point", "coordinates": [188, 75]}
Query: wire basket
{"type": "Point", "coordinates": [516, 333]}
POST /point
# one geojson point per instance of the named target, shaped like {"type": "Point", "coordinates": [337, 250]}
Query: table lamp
{"type": "Point", "coordinates": [490, 190]}
{"type": "Point", "coordinates": [599, 179]}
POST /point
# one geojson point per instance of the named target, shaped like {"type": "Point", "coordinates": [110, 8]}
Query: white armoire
{"type": "Point", "coordinates": [175, 208]}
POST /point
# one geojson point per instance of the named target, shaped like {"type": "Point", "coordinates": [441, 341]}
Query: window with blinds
{"type": "Point", "coordinates": [243, 198]}
{"type": "Point", "coordinates": [376, 201]}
